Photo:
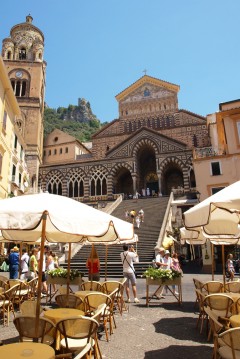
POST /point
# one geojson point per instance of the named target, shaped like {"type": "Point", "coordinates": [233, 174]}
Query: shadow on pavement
{"type": "Point", "coordinates": [181, 328]}
{"type": "Point", "coordinates": [180, 352]}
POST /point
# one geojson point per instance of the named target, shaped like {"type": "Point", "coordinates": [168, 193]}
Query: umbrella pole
{"type": "Point", "coordinates": [91, 270]}
{"type": "Point", "coordinates": [68, 272]}
{"type": "Point", "coordinates": [212, 253]}
{"type": "Point", "coordinates": [223, 264]}
{"type": "Point", "coordinates": [106, 256]}
{"type": "Point", "coordinates": [39, 289]}
{"type": "Point", "coordinates": [20, 256]}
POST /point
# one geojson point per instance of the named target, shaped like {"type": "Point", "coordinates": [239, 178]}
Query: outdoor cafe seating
{"type": "Point", "coordinates": [34, 329]}
{"type": "Point", "coordinates": [77, 334]}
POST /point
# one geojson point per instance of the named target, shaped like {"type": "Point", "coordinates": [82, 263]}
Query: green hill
{"type": "Point", "coordinates": [78, 121]}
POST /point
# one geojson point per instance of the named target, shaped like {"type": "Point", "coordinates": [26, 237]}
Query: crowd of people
{"type": "Point", "coordinates": [29, 263]}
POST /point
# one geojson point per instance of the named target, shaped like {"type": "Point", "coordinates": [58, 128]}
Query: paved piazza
{"type": "Point", "coordinates": [160, 331]}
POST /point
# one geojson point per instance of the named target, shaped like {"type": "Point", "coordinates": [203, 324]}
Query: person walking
{"type": "Point", "coordinates": [138, 221]}
{"type": "Point", "coordinates": [14, 263]}
{"type": "Point", "coordinates": [25, 273]}
{"type": "Point", "coordinates": [93, 265]}
{"type": "Point", "coordinates": [128, 257]}
{"type": "Point", "coordinates": [141, 215]}
{"type": "Point", "coordinates": [230, 267]}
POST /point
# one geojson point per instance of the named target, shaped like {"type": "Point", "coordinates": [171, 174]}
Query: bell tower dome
{"type": "Point", "coordinates": [23, 55]}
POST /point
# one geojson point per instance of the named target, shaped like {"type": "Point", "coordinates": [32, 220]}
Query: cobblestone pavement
{"type": "Point", "coordinates": [162, 330]}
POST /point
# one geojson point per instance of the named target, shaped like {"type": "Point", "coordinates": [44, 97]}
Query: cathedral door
{"type": "Point", "coordinates": [147, 174]}
{"type": "Point", "coordinates": [172, 177]}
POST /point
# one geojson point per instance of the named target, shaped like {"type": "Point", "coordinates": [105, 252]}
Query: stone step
{"type": "Point", "coordinates": [154, 211]}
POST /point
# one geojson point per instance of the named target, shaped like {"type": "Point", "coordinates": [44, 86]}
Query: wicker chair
{"type": "Point", "coordinates": [215, 329]}
{"type": "Point", "coordinates": [69, 301]}
{"type": "Point", "coordinates": [7, 302]}
{"type": "Point", "coordinates": [28, 308]}
{"type": "Point", "coordinates": [109, 287]}
{"type": "Point", "coordinates": [92, 302]}
{"type": "Point", "coordinates": [222, 305]}
{"type": "Point", "coordinates": [34, 329]}
{"type": "Point", "coordinates": [231, 344]}
{"type": "Point", "coordinates": [92, 285]}
{"type": "Point", "coordinates": [212, 287]}
{"type": "Point", "coordinates": [78, 334]}
{"type": "Point", "coordinates": [22, 292]}
{"type": "Point", "coordinates": [233, 287]}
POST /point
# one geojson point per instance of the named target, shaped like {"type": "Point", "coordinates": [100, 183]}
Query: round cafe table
{"type": "Point", "coordinates": [27, 350]}
{"type": "Point", "coordinates": [62, 313]}
{"type": "Point", "coordinates": [235, 320]}
{"type": "Point", "coordinates": [83, 293]}
{"type": "Point", "coordinates": [59, 314]}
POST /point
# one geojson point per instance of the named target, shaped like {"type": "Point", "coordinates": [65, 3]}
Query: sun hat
{"type": "Point", "coordinates": [161, 249]}
{"type": "Point", "coordinates": [16, 249]}
{"type": "Point", "coordinates": [167, 252]}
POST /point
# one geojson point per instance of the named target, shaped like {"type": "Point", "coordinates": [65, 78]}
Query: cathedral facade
{"type": "Point", "coordinates": [148, 148]}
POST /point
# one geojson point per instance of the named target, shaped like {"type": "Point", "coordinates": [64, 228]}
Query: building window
{"type": "Point", "coordinates": [44, 153]}
{"type": "Point", "coordinates": [1, 160]}
{"type": "Point", "coordinates": [15, 142]}
{"type": "Point", "coordinates": [14, 173]}
{"type": "Point", "coordinates": [19, 87]}
{"type": "Point", "coordinates": [22, 54]}
{"type": "Point", "coordinates": [20, 179]}
{"type": "Point", "coordinates": [238, 129]}
{"type": "Point", "coordinates": [60, 151]}
{"type": "Point", "coordinates": [215, 168]}
{"type": "Point", "coordinates": [4, 120]}
{"type": "Point", "coordinates": [66, 150]}
{"type": "Point", "coordinates": [49, 153]}
{"type": "Point", "coordinates": [55, 151]}
{"type": "Point", "coordinates": [216, 189]}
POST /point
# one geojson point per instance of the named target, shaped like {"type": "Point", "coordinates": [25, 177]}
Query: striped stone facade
{"type": "Point", "coordinates": [149, 146]}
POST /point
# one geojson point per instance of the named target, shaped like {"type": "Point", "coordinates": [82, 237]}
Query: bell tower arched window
{"type": "Point", "coordinates": [19, 87]}
{"type": "Point", "coordinates": [22, 55]}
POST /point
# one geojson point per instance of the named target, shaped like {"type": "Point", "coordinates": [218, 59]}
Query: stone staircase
{"type": "Point", "coordinates": [154, 210]}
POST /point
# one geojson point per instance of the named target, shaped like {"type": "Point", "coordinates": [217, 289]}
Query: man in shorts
{"type": "Point", "coordinates": [128, 257]}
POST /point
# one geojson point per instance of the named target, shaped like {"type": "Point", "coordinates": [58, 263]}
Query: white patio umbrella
{"type": "Point", "coordinates": [218, 215]}
{"type": "Point", "coordinates": [44, 216]}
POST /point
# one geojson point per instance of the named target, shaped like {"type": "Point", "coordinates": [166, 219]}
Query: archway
{"type": "Point", "coordinates": [172, 177]}
{"type": "Point", "coordinates": [122, 182]}
{"type": "Point", "coordinates": [147, 173]}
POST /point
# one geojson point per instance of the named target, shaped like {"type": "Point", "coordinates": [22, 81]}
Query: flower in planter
{"type": "Point", "coordinates": [163, 274]}
{"type": "Point", "coordinates": [63, 273]}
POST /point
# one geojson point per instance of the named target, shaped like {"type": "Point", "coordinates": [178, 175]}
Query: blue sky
{"type": "Point", "coordinates": [96, 48]}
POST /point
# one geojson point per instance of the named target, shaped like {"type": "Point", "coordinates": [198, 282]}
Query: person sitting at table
{"type": "Point", "coordinates": [93, 265]}
{"type": "Point", "coordinates": [230, 267]}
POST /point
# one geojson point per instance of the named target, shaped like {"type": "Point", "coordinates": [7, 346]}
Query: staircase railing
{"type": "Point", "coordinates": [165, 223]}
{"type": "Point", "coordinates": [115, 204]}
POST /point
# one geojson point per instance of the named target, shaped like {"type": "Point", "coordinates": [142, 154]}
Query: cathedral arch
{"type": "Point", "coordinates": [172, 176]}
{"type": "Point", "coordinates": [122, 179]}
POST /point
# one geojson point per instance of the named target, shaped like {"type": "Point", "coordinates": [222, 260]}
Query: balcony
{"type": "Point", "coordinates": [207, 152]}
{"type": "Point", "coordinates": [15, 181]}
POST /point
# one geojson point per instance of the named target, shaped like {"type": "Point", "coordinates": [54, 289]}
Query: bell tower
{"type": "Point", "coordinates": [22, 54]}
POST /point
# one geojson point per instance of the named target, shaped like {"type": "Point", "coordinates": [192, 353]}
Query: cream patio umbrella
{"type": "Point", "coordinates": [44, 216]}
{"type": "Point", "coordinates": [218, 215]}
